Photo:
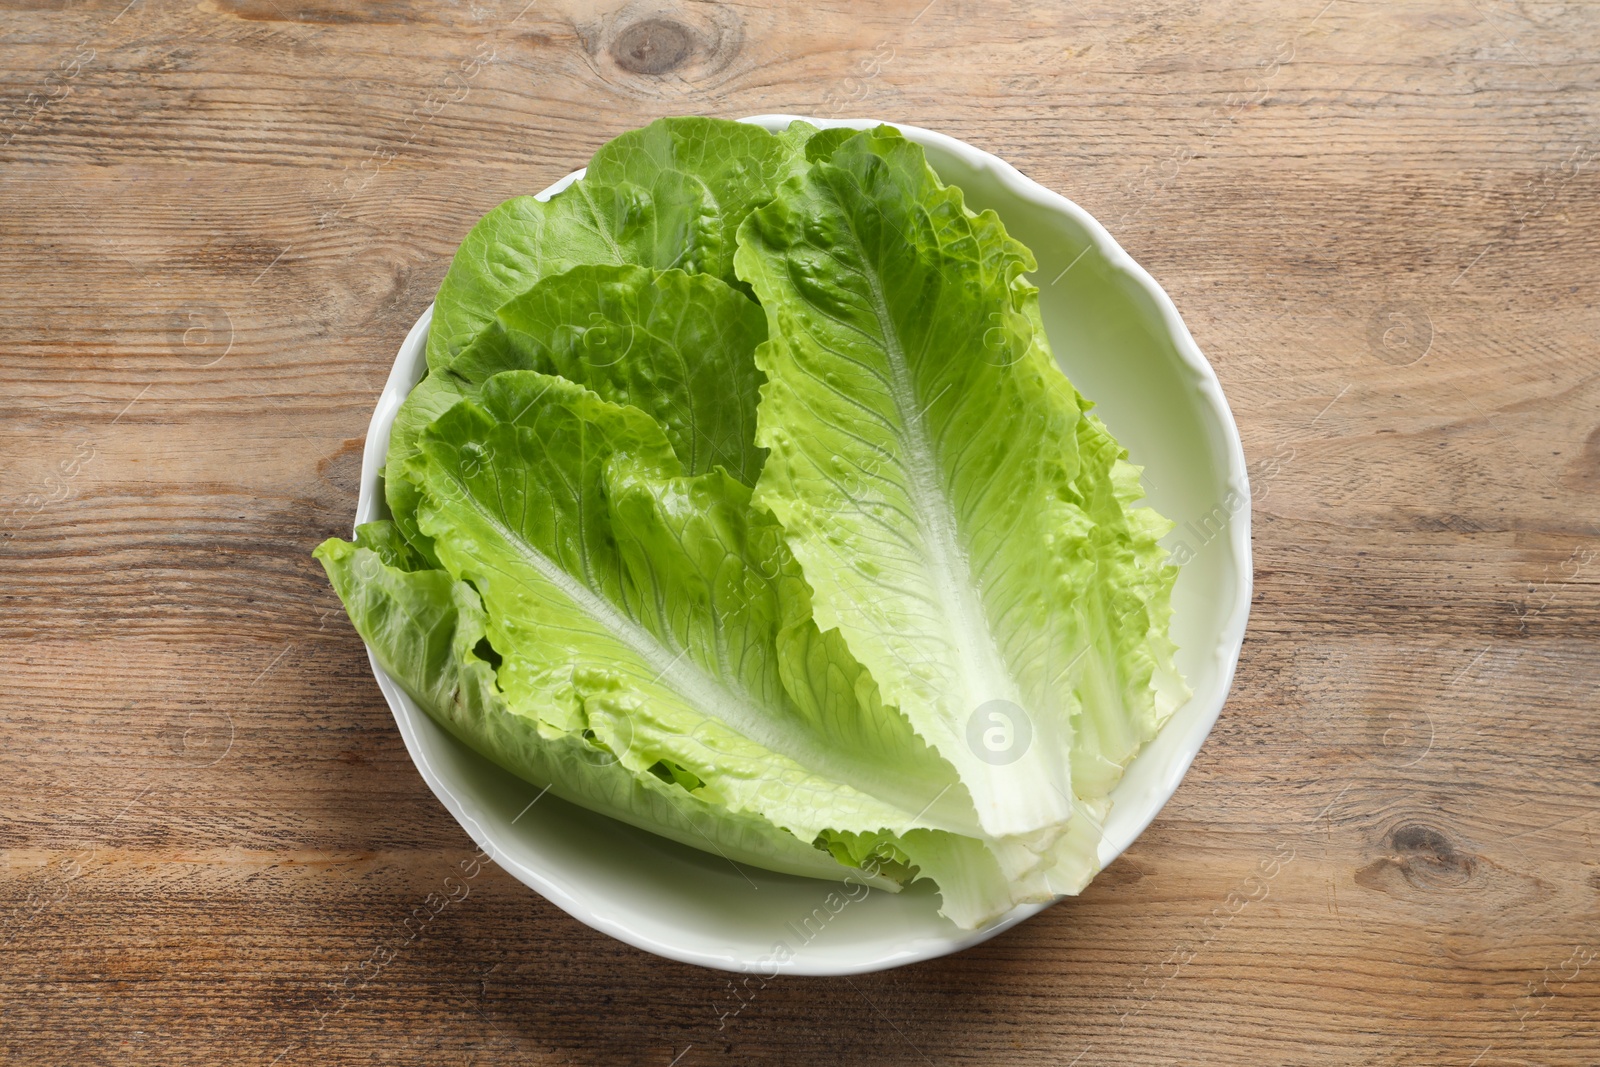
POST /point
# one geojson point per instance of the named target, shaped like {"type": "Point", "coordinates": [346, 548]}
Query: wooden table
{"type": "Point", "coordinates": [1379, 222]}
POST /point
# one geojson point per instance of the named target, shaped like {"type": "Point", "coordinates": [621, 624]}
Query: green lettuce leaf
{"type": "Point", "coordinates": [680, 346]}
{"type": "Point", "coordinates": [662, 615]}
{"type": "Point", "coordinates": [926, 465]}
{"type": "Point", "coordinates": [427, 630]}
{"type": "Point", "coordinates": [820, 145]}
{"type": "Point", "coordinates": [672, 194]}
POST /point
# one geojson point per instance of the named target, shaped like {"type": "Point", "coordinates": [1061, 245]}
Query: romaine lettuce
{"type": "Point", "coordinates": [926, 468]}
{"type": "Point", "coordinates": [428, 631]}
{"type": "Point", "coordinates": [672, 194]}
{"type": "Point", "coordinates": [661, 616]}
{"type": "Point", "coordinates": [677, 345]}
{"type": "Point", "coordinates": [744, 502]}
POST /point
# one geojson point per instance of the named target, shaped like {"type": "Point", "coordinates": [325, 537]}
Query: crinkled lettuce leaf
{"type": "Point", "coordinates": [680, 346]}
{"type": "Point", "coordinates": [670, 195]}
{"type": "Point", "coordinates": [428, 631]}
{"type": "Point", "coordinates": [662, 615]}
{"type": "Point", "coordinates": [962, 522]}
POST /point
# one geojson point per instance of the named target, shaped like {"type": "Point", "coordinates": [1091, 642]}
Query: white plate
{"type": "Point", "coordinates": [1121, 341]}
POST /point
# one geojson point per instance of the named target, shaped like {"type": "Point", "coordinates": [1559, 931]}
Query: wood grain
{"type": "Point", "coordinates": [1378, 221]}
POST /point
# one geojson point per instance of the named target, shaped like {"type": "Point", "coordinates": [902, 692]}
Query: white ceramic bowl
{"type": "Point", "coordinates": [1121, 341]}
